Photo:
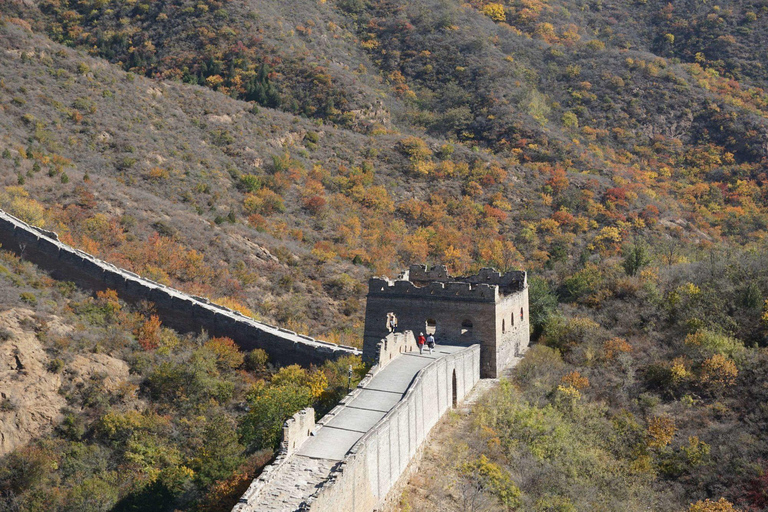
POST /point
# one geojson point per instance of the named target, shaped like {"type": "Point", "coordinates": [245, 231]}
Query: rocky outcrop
{"type": "Point", "coordinates": [30, 403]}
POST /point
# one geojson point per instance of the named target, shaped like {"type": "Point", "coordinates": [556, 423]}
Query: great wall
{"type": "Point", "coordinates": [357, 456]}
{"type": "Point", "coordinates": [176, 309]}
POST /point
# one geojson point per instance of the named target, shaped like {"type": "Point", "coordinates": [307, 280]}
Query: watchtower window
{"type": "Point", "coordinates": [466, 327]}
{"type": "Point", "coordinates": [503, 326]}
{"type": "Point", "coordinates": [521, 314]}
{"type": "Point", "coordinates": [431, 326]}
{"type": "Point", "coordinates": [512, 317]}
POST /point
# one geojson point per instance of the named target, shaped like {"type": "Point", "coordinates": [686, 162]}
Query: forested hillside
{"type": "Point", "coordinates": [274, 155]}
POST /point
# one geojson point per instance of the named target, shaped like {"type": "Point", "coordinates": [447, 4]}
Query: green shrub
{"type": "Point", "coordinates": [7, 405]}
{"type": "Point", "coordinates": [29, 298]}
{"type": "Point", "coordinates": [269, 408]}
{"type": "Point", "coordinates": [256, 360]}
{"type": "Point", "coordinates": [55, 366]}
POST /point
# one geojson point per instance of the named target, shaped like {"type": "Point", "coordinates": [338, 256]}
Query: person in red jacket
{"type": "Point", "coordinates": [421, 340]}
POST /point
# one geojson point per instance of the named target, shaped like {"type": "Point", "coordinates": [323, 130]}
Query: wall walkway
{"type": "Point", "coordinates": [364, 445]}
{"type": "Point", "coordinates": [176, 309]}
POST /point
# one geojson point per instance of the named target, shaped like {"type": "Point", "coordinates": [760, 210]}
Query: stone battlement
{"type": "Point", "coordinates": [509, 282]}
{"type": "Point", "coordinates": [435, 290]}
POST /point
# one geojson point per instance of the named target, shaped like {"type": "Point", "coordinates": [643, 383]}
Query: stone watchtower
{"type": "Point", "coordinates": [489, 308]}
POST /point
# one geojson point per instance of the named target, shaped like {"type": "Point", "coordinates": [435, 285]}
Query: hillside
{"type": "Point", "coordinates": [103, 408]}
{"type": "Point", "coordinates": [274, 155]}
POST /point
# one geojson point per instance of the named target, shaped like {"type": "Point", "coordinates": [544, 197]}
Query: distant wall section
{"type": "Point", "coordinates": [176, 309]}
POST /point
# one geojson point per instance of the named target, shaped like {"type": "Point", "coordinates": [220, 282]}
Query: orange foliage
{"type": "Point", "coordinates": [148, 333]}
{"type": "Point", "coordinates": [615, 346]}
{"type": "Point", "coordinates": [558, 181]}
{"type": "Point", "coordinates": [721, 505]}
{"type": "Point", "coordinates": [227, 352]}
{"type": "Point", "coordinates": [575, 380]}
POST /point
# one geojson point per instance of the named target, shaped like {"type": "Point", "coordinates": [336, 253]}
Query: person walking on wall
{"type": "Point", "coordinates": [431, 342]}
{"type": "Point", "coordinates": [420, 341]}
{"type": "Point", "coordinates": [392, 322]}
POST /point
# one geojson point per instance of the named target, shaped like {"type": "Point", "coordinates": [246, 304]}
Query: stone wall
{"type": "Point", "coordinates": [512, 327]}
{"type": "Point", "coordinates": [464, 291]}
{"type": "Point", "coordinates": [176, 309]}
{"type": "Point", "coordinates": [395, 344]}
{"type": "Point", "coordinates": [376, 463]}
{"type": "Point", "coordinates": [448, 312]}
{"type": "Point", "coordinates": [297, 429]}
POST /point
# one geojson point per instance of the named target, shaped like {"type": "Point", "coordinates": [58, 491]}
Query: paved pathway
{"type": "Point", "coordinates": [312, 463]}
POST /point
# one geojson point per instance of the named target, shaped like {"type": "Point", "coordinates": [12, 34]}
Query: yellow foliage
{"type": "Point", "coordinates": [721, 505]}
{"type": "Point", "coordinates": [719, 371]}
{"type": "Point", "coordinates": [17, 202]}
{"type": "Point", "coordinates": [234, 305]}
{"type": "Point", "coordinates": [494, 11]}
{"type": "Point", "coordinates": [607, 240]}
{"type": "Point", "coordinates": [550, 225]}
{"type": "Point", "coordinates": [317, 382]}
{"type": "Point", "coordinates": [568, 393]}
{"type": "Point", "coordinates": [661, 430]}
{"type": "Point", "coordinates": [414, 148]}
{"type": "Point", "coordinates": [264, 201]}
{"type": "Point", "coordinates": [295, 375]}
{"type": "Point", "coordinates": [214, 81]}
{"type": "Point", "coordinates": [423, 167]}
{"type": "Point", "coordinates": [546, 31]}
{"type": "Point", "coordinates": [292, 374]}
{"type": "Point", "coordinates": [689, 289]}
{"type": "Point", "coordinates": [227, 353]}
{"type": "Point", "coordinates": [678, 371]}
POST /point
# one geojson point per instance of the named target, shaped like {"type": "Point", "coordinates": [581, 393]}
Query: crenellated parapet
{"type": "Point", "coordinates": [508, 282]}
{"type": "Point", "coordinates": [452, 290]}
{"type": "Point", "coordinates": [418, 273]}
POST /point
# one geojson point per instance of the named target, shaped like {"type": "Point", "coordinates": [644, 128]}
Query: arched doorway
{"type": "Point", "coordinates": [466, 330]}
{"type": "Point", "coordinates": [431, 326]}
{"type": "Point", "coordinates": [391, 322]}
{"type": "Point", "coordinates": [454, 400]}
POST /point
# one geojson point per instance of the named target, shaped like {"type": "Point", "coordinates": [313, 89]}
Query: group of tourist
{"type": "Point", "coordinates": [422, 340]}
